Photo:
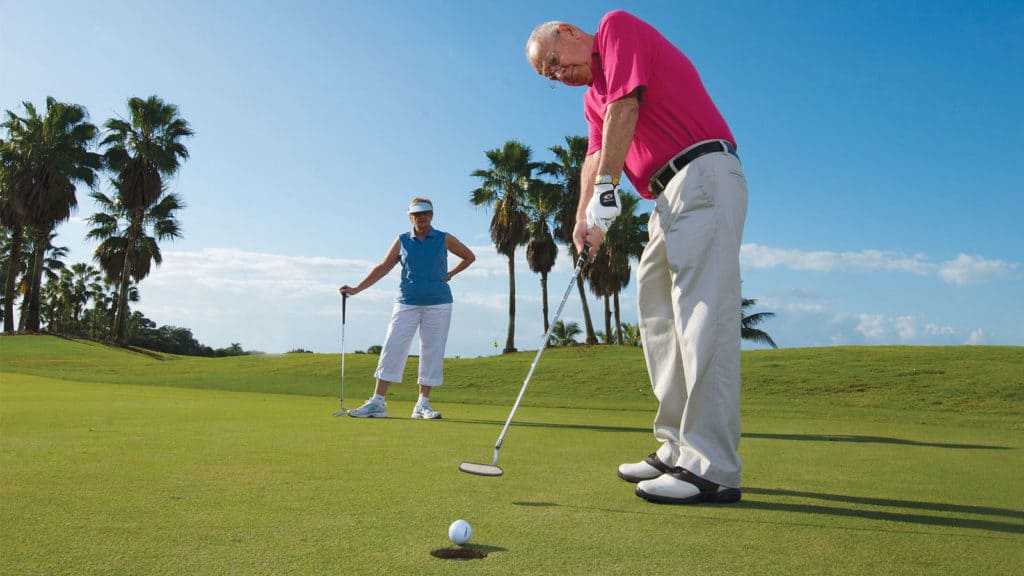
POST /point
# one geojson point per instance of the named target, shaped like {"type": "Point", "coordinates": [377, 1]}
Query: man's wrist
{"type": "Point", "coordinates": [606, 179]}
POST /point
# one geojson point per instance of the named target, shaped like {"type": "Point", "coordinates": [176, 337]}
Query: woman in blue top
{"type": "Point", "coordinates": [424, 303]}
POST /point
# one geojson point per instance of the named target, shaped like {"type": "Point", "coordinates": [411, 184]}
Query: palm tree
{"type": "Point", "coordinates": [567, 169]}
{"type": "Point", "coordinates": [45, 159]}
{"type": "Point", "coordinates": [11, 230]}
{"type": "Point", "coordinates": [626, 241]}
{"type": "Point", "coordinates": [505, 186]}
{"type": "Point", "coordinates": [98, 320]}
{"type": "Point", "coordinates": [68, 295]}
{"type": "Point", "coordinates": [86, 286]}
{"type": "Point", "coordinates": [53, 269]}
{"type": "Point", "coordinates": [12, 251]}
{"type": "Point", "coordinates": [563, 334]}
{"type": "Point", "coordinates": [749, 323]}
{"type": "Point", "coordinates": [630, 335]}
{"type": "Point", "coordinates": [541, 251]}
{"type": "Point", "coordinates": [141, 152]}
{"type": "Point", "coordinates": [610, 271]}
{"type": "Point", "coordinates": [55, 304]}
{"type": "Point", "coordinates": [602, 284]}
{"type": "Point", "coordinates": [123, 242]}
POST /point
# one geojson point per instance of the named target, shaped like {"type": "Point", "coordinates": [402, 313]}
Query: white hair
{"type": "Point", "coordinates": [544, 30]}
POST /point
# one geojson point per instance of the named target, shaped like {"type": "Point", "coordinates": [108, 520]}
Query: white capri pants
{"type": "Point", "coordinates": [432, 323]}
{"type": "Point", "coordinates": [689, 309]}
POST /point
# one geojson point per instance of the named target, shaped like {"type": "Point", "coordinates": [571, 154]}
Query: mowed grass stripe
{"type": "Point", "coordinates": [985, 380]}
{"type": "Point", "coordinates": [124, 479]}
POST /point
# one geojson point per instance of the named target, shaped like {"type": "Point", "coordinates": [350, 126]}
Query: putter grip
{"type": "Point", "coordinates": [586, 252]}
{"type": "Point", "coordinates": [344, 300]}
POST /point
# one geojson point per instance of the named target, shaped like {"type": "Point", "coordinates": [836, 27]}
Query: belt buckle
{"type": "Point", "coordinates": [654, 186]}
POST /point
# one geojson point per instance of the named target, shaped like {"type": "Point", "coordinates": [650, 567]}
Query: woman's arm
{"type": "Point", "coordinates": [460, 250]}
{"type": "Point", "coordinates": [379, 271]}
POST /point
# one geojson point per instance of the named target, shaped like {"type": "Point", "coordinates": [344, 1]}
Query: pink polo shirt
{"type": "Point", "coordinates": [675, 109]}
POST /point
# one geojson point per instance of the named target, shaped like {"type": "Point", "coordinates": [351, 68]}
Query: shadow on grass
{"type": "Point", "coordinates": [852, 511]}
{"type": "Point", "coordinates": [486, 547]}
{"type": "Point", "coordinates": [752, 435]}
{"type": "Point", "coordinates": [860, 500]}
{"type": "Point", "coordinates": [868, 440]}
{"type": "Point", "coordinates": [100, 344]}
{"type": "Point", "coordinates": [904, 517]}
{"type": "Point", "coordinates": [516, 424]}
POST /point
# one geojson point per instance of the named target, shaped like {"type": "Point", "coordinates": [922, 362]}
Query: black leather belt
{"type": "Point", "coordinates": [661, 178]}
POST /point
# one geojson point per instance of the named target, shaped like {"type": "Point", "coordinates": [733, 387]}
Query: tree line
{"type": "Point", "coordinates": [46, 156]}
{"type": "Point", "coordinates": [534, 205]}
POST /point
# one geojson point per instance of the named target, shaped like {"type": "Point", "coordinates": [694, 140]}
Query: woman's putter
{"type": "Point", "coordinates": [343, 411]}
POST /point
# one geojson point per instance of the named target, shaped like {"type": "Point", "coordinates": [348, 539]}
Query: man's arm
{"type": "Point", "coordinates": [587, 176]}
{"type": "Point", "coordinates": [619, 128]}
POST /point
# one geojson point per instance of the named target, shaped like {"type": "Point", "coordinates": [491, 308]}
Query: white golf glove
{"type": "Point", "coordinates": [604, 206]}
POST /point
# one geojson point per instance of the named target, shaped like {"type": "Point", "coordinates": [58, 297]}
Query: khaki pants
{"type": "Point", "coordinates": [689, 315]}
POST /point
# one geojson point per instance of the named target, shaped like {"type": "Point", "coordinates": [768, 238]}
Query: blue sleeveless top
{"type": "Point", "coordinates": [424, 269]}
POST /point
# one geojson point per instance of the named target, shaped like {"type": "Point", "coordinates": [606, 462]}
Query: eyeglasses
{"type": "Point", "coordinates": [553, 68]}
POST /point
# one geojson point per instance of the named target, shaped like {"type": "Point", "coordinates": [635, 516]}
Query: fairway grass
{"type": "Point", "coordinates": [113, 477]}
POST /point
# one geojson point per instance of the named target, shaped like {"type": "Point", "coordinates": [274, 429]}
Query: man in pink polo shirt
{"type": "Point", "coordinates": [650, 116]}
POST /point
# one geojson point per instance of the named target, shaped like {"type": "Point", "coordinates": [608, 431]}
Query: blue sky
{"type": "Point", "coordinates": [880, 142]}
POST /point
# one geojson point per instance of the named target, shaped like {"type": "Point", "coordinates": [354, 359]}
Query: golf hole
{"type": "Point", "coordinates": [458, 554]}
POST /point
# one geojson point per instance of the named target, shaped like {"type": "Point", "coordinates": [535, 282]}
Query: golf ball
{"type": "Point", "coordinates": [459, 532]}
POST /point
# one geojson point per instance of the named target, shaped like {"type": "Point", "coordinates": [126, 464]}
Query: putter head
{"type": "Point", "coordinates": [341, 412]}
{"type": "Point", "coordinates": [481, 469]}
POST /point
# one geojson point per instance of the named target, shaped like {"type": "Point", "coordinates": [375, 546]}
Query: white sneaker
{"type": "Point", "coordinates": [680, 486]}
{"type": "Point", "coordinates": [425, 411]}
{"type": "Point", "coordinates": [371, 409]}
{"type": "Point", "coordinates": [648, 469]}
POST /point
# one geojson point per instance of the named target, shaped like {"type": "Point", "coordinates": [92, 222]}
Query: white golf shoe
{"type": "Point", "coordinates": [647, 469]}
{"type": "Point", "coordinates": [371, 409]}
{"type": "Point", "coordinates": [424, 410]}
{"type": "Point", "coordinates": [680, 486]}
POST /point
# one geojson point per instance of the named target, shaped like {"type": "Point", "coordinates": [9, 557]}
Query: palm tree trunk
{"type": "Point", "coordinates": [13, 265]}
{"type": "Point", "coordinates": [591, 335]}
{"type": "Point", "coordinates": [31, 316]}
{"type": "Point", "coordinates": [544, 298]}
{"type": "Point", "coordinates": [510, 340]}
{"type": "Point", "coordinates": [121, 316]}
{"type": "Point", "coordinates": [120, 320]}
{"type": "Point", "coordinates": [607, 320]}
{"type": "Point", "coordinates": [618, 319]}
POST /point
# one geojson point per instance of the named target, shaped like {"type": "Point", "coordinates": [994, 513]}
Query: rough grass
{"type": "Point", "coordinates": [962, 379]}
{"type": "Point", "coordinates": [116, 462]}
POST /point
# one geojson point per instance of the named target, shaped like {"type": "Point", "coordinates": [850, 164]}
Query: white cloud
{"type": "Point", "coordinates": [968, 270]}
{"type": "Point", "coordinates": [963, 271]}
{"type": "Point", "coordinates": [906, 327]}
{"type": "Point", "coordinates": [275, 302]}
{"type": "Point", "coordinates": [872, 326]}
{"type": "Point", "coordinates": [879, 328]}
{"type": "Point", "coordinates": [935, 330]}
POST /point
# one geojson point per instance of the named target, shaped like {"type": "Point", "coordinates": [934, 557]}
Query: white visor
{"type": "Point", "coordinates": [421, 207]}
